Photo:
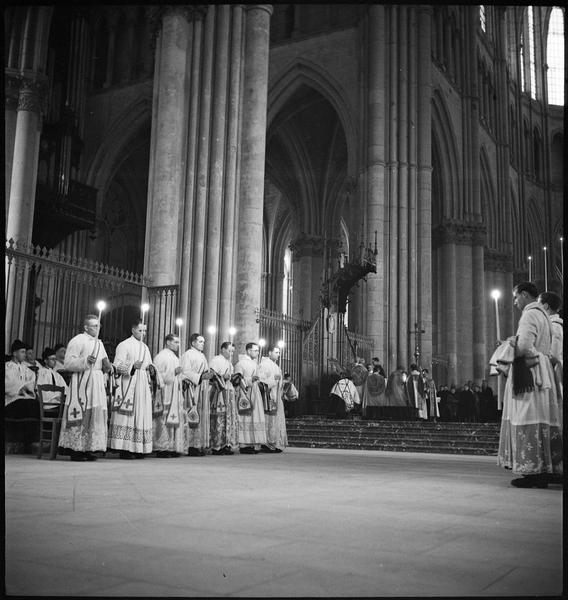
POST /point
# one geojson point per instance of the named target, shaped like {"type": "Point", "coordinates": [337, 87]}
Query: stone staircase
{"type": "Point", "coordinates": [396, 436]}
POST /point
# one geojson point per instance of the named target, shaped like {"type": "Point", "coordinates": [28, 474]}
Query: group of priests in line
{"type": "Point", "coordinates": [171, 405]}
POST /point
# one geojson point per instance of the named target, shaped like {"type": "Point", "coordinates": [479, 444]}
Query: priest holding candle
{"type": "Point", "coordinates": [130, 430]}
{"type": "Point", "coordinates": [84, 424]}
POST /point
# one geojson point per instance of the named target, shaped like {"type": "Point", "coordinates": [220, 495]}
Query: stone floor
{"type": "Point", "coordinates": [303, 523]}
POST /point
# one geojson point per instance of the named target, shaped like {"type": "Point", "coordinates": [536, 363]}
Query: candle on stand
{"type": "Point", "coordinates": [261, 344]}
{"type": "Point", "coordinates": [545, 271]}
{"type": "Point", "coordinates": [211, 330]}
{"type": "Point", "coordinates": [179, 323]}
{"type": "Point", "coordinates": [530, 268]}
{"type": "Point", "coordinates": [232, 331]}
{"type": "Point", "coordinates": [562, 258]}
{"type": "Point", "coordinates": [496, 294]}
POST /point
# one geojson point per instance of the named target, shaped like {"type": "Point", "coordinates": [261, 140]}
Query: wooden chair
{"type": "Point", "coordinates": [49, 419]}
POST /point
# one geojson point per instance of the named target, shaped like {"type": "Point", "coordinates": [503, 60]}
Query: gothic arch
{"type": "Point", "coordinates": [121, 133]}
{"type": "Point", "coordinates": [490, 209]}
{"type": "Point", "coordinates": [305, 72]}
{"type": "Point", "coordinates": [444, 137]}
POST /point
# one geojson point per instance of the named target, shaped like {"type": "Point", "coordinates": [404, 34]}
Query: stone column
{"type": "Point", "coordinates": [307, 256]}
{"type": "Point", "coordinates": [10, 118]}
{"type": "Point", "coordinates": [479, 299]}
{"type": "Point", "coordinates": [166, 183]}
{"type": "Point", "coordinates": [424, 179]}
{"type": "Point", "coordinates": [167, 151]}
{"type": "Point", "coordinates": [217, 173]}
{"type": "Point", "coordinates": [19, 224]}
{"type": "Point", "coordinates": [252, 169]}
{"type": "Point", "coordinates": [375, 287]}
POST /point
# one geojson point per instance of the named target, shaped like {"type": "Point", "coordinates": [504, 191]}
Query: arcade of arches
{"type": "Point", "coordinates": [231, 152]}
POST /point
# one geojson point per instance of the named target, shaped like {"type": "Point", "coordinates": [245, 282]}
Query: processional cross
{"type": "Point", "coordinates": [417, 332]}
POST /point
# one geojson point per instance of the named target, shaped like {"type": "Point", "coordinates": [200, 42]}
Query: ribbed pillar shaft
{"type": "Point", "coordinates": [449, 326]}
{"type": "Point", "coordinates": [202, 179]}
{"type": "Point", "coordinates": [375, 287]}
{"type": "Point", "coordinates": [464, 293]}
{"type": "Point", "coordinates": [168, 145]}
{"type": "Point", "coordinates": [194, 71]}
{"type": "Point", "coordinates": [229, 242]}
{"type": "Point", "coordinates": [217, 173]}
{"type": "Point", "coordinates": [392, 217]}
{"type": "Point", "coordinates": [252, 170]}
{"type": "Point", "coordinates": [479, 310]}
{"type": "Point", "coordinates": [402, 181]}
{"type": "Point", "coordinates": [19, 223]}
{"type": "Point", "coordinates": [10, 119]}
{"type": "Point", "coordinates": [424, 180]}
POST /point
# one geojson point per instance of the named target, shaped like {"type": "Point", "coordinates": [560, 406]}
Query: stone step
{"type": "Point", "coordinates": [434, 449]}
{"type": "Point", "coordinates": [422, 425]}
{"type": "Point", "coordinates": [441, 437]}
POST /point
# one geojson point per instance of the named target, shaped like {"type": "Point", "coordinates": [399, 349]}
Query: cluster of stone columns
{"type": "Point", "coordinates": [206, 182]}
{"type": "Point", "coordinates": [395, 183]}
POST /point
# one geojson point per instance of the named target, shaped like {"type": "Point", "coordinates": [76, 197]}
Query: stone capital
{"type": "Point", "coordinates": [31, 94]}
{"type": "Point", "coordinates": [267, 7]}
{"type": "Point", "coordinates": [461, 233]}
{"type": "Point", "coordinates": [306, 245]}
{"type": "Point", "coordinates": [497, 261]}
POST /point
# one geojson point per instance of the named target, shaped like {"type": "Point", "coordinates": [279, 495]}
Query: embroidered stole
{"type": "Point", "coordinates": [78, 401]}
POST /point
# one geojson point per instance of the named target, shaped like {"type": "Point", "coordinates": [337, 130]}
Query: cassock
{"type": "Point", "coordinates": [170, 416]}
{"type": "Point", "coordinates": [194, 364]}
{"type": "Point", "coordinates": [84, 424]}
{"type": "Point", "coordinates": [252, 426]}
{"type": "Point", "coordinates": [276, 436]}
{"type": "Point", "coordinates": [223, 407]}
{"type": "Point", "coordinates": [131, 415]}
{"type": "Point", "coordinates": [557, 354]}
{"type": "Point", "coordinates": [46, 376]}
{"type": "Point", "coordinates": [530, 441]}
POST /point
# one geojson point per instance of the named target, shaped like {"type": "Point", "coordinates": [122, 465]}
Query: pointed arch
{"type": "Point", "coordinates": [444, 140]}
{"type": "Point", "coordinates": [129, 124]}
{"type": "Point", "coordinates": [489, 206]}
{"type": "Point", "coordinates": [302, 71]}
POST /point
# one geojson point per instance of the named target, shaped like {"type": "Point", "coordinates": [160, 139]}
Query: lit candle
{"type": "Point", "coordinates": [179, 323]}
{"type": "Point", "coordinates": [545, 271]}
{"type": "Point", "coordinates": [261, 344]}
{"type": "Point", "coordinates": [530, 268]}
{"type": "Point", "coordinates": [211, 330]}
{"type": "Point", "coordinates": [232, 331]}
{"type": "Point", "coordinates": [562, 258]}
{"type": "Point", "coordinates": [496, 294]}
{"type": "Point", "coordinates": [281, 345]}
{"type": "Point", "coordinates": [144, 308]}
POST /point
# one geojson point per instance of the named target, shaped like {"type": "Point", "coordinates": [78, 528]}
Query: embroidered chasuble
{"type": "Point", "coordinates": [131, 410]}
{"type": "Point", "coordinates": [84, 424]}
{"type": "Point", "coordinates": [223, 407]}
{"type": "Point", "coordinates": [276, 436]}
{"type": "Point", "coordinates": [194, 364]}
{"type": "Point", "coordinates": [170, 416]}
{"type": "Point", "coordinates": [252, 426]}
